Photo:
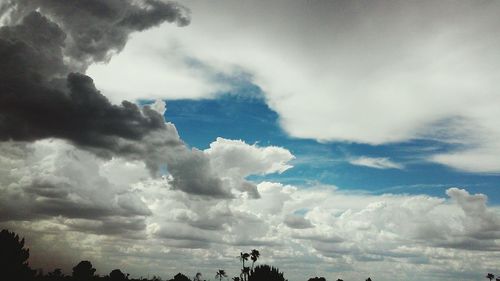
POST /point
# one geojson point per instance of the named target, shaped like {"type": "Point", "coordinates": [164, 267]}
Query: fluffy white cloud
{"type": "Point", "coordinates": [375, 162]}
{"type": "Point", "coordinates": [166, 73]}
{"type": "Point", "coordinates": [52, 178]}
{"type": "Point", "coordinates": [338, 71]}
{"type": "Point", "coordinates": [234, 160]}
{"type": "Point", "coordinates": [235, 157]}
{"type": "Point", "coordinates": [353, 236]}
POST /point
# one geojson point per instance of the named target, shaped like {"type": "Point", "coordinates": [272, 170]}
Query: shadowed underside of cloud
{"type": "Point", "coordinates": [94, 29]}
{"type": "Point", "coordinates": [298, 222]}
{"type": "Point", "coordinates": [374, 233]}
{"type": "Point", "coordinates": [42, 97]}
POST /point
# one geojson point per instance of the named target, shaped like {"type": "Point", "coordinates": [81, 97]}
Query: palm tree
{"type": "Point", "coordinates": [245, 272]}
{"type": "Point", "coordinates": [254, 255]}
{"type": "Point", "coordinates": [490, 276]}
{"type": "Point", "coordinates": [243, 258]}
{"type": "Point", "coordinates": [221, 273]}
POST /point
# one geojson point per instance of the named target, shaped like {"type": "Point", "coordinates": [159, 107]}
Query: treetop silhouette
{"type": "Point", "coordinates": [83, 271]}
{"type": "Point", "coordinates": [14, 257]}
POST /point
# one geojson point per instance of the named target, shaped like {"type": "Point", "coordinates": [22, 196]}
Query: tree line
{"type": "Point", "coordinates": [14, 267]}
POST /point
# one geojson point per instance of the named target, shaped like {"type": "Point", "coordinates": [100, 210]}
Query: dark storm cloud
{"type": "Point", "coordinates": [41, 98]}
{"type": "Point", "coordinates": [96, 29]}
{"type": "Point", "coordinates": [35, 104]}
{"type": "Point", "coordinates": [42, 95]}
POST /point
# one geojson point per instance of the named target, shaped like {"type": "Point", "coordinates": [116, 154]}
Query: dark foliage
{"type": "Point", "coordinates": [14, 267]}
{"type": "Point", "coordinates": [180, 277]}
{"type": "Point", "coordinates": [117, 275]}
{"type": "Point", "coordinates": [83, 271]}
{"type": "Point", "coordinates": [220, 274]}
{"type": "Point", "coordinates": [14, 257]}
{"type": "Point", "coordinates": [317, 279]}
{"type": "Point", "coordinates": [266, 273]}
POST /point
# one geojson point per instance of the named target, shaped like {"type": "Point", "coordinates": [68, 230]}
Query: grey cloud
{"type": "Point", "coordinates": [54, 180]}
{"type": "Point", "coordinates": [250, 188]}
{"type": "Point", "coordinates": [255, 242]}
{"type": "Point", "coordinates": [35, 106]}
{"type": "Point", "coordinates": [480, 225]}
{"type": "Point", "coordinates": [192, 174]}
{"type": "Point", "coordinates": [39, 99]}
{"type": "Point", "coordinates": [126, 227]}
{"type": "Point", "coordinates": [297, 222]}
{"type": "Point", "coordinates": [329, 239]}
{"type": "Point", "coordinates": [467, 243]}
{"type": "Point", "coordinates": [211, 220]}
{"type": "Point", "coordinates": [183, 236]}
{"type": "Point", "coordinates": [96, 29]}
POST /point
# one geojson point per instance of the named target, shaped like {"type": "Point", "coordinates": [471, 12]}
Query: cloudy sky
{"type": "Point", "coordinates": [343, 139]}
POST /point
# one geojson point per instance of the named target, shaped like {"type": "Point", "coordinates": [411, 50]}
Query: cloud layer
{"type": "Point", "coordinates": [84, 178]}
{"type": "Point", "coordinates": [121, 216]}
{"type": "Point", "coordinates": [345, 71]}
{"type": "Point", "coordinates": [43, 97]}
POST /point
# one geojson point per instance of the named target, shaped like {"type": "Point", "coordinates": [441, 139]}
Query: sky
{"type": "Point", "coordinates": [342, 139]}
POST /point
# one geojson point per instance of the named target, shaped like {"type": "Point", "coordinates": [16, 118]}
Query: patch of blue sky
{"type": "Point", "coordinates": [246, 116]}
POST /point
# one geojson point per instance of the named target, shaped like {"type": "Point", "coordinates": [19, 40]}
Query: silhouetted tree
{"type": "Point", "coordinates": [83, 271]}
{"type": "Point", "coordinates": [197, 277]}
{"type": "Point", "coordinates": [221, 273]}
{"type": "Point", "coordinates": [14, 257]}
{"type": "Point", "coordinates": [490, 276]}
{"type": "Point", "coordinates": [340, 279]}
{"type": "Point", "coordinates": [158, 278]}
{"type": "Point", "coordinates": [56, 275]}
{"type": "Point", "coordinates": [254, 256]}
{"type": "Point", "coordinates": [180, 277]}
{"type": "Point", "coordinates": [266, 273]}
{"type": "Point", "coordinates": [245, 271]}
{"type": "Point", "coordinates": [317, 279]}
{"type": "Point", "coordinates": [236, 278]}
{"type": "Point", "coordinates": [243, 258]}
{"type": "Point", "coordinates": [117, 275]}
{"type": "Point", "coordinates": [369, 279]}
{"type": "Point", "coordinates": [497, 279]}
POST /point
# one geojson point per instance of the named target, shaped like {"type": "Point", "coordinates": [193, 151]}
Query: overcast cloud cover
{"type": "Point", "coordinates": [87, 172]}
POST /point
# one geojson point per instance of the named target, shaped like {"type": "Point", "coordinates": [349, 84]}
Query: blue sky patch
{"type": "Point", "coordinates": [247, 117]}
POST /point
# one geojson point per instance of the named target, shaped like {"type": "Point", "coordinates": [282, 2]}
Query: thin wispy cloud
{"type": "Point", "coordinates": [375, 162]}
